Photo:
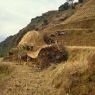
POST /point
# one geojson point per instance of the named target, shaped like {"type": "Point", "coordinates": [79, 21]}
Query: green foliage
{"type": "Point", "coordinates": [64, 7]}
{"type": "Point", "coordinates": [4, 51]}
{"type": "Point", "coordinates": [14, 50]}
{"type": "Point", "coordinates": [80, 1]}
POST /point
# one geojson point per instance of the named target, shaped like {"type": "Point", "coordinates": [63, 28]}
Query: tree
{"type": "Point", "coordinates": [70, 2]}
{"type": "Point", "coordinates": [63, 7]}
{"type": "Point", "coordinates": [80, 1]}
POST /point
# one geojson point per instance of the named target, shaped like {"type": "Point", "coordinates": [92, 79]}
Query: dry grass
{"type": "Point", "coordinates": [74, 36]}
{"type": "Point", "coordinates": [87, 11]}
{"type": "Point", "coordinates": [78, 75]}
{"type": "Point", "coordinates": [74, 77]}
{"type": "Point", "coordinates": [32, 38]}
{"type": "Point", "coordinates": [5, 70]}
{"type": "Point", "coordinates": [79, 28]}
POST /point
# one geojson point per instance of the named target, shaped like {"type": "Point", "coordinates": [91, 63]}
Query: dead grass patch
{"type": "Point", "coordinates": [5, 70]}
{"type": "Point", "coordinates": [78, 76]}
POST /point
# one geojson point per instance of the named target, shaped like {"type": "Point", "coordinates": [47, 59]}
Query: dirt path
{"type": "Point", "coordinates": [80, 47]}
{"type": "Point", "coordinates": [26, 81]}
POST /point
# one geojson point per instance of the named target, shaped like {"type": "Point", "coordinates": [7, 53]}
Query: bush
{"type": "Point", "coordinates": [13, 51]}
{"type": "Point", "coordinates": [80, 1]}
{"type": "Point", "coordinates": [63, 7]}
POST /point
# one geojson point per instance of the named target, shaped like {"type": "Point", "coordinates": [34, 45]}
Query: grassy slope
{"type": "Point", "coordinates": [79, 28]}
{"type": "Point", "coordinates": [5, 73]}
{"type": "Point", "coordinates": [76, 76]}
{"type": "Point", "coordinates": [39, 23]}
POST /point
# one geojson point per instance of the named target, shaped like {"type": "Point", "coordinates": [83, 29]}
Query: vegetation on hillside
{"type": "Point", "coordinates": [65, 36]}
{"type": "Point", "coordinates": [80, 1]}
{"type": "Point", "coordinates": [63, 7]}
{"type": "Point", "coordinates": [78, 74]}
{"type": "Point", "coordinates": [39, 23]}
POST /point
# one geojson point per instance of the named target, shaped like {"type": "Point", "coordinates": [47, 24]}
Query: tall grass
{"type": "Point", "coordinates": [5, 70]}
{"type": "Point", "coordinates": [78, 75]}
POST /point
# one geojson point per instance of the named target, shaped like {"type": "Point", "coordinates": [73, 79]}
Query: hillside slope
{"type": "Point", "coordinates": [39, 23]}
{"type": "Point", "coordinates": [84, 17]}
{"type": "Point", "coordinates": [78, 25]}
{"type": "Point", "coordinates": [79, 29]}
{"type": "Point", "coordinates": [75, 77]}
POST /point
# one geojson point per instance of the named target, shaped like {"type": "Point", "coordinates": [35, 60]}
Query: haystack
{"type": "Point", "coordinates": [31, 39]}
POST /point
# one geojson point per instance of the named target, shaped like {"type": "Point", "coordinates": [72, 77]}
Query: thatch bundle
{"type": "Point", "coordinates": [31, 40]}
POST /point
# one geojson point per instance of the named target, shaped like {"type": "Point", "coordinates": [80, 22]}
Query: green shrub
{"type": "Point", "coordinates": [63, 7]}
{"type": "Point", "coordinates": [80, 1]}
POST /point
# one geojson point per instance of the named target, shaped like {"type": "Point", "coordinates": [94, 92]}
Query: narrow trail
{"type": "Point", "coordinates": [80, 47]}
{"type": "Point", "coordinates": [26, 81]}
